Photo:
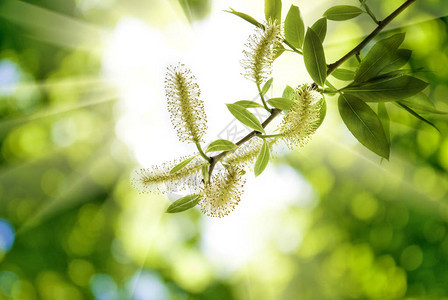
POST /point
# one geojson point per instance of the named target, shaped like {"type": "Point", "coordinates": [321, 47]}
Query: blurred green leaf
{"type": "Point", "coordinates": [273, 10]}
{"type": "Point", "coordinates": [422, 102]}
{"type": "Point", "coordinates": [267, 86]}
{"type": "Point", "coordinates": [181, 165]}
{"type": "Point", "coordinates": [294, 27]}
{"type": "Point", "coordinates": [262, 159]}
{"type": "Point", "coordinates": [343, 74]}
{"type": "Point", "coordinates": [320, 28]}
{"type": "Point", "coordinates": [378, 57]}
{"type": "Point", "coordinates": [183, 203]}
{"type": "Point", "coordinates": [289, 93]}
{"type": "Point", "coordinates": [220, 145]}
{"type": "Point", "coordinates": [389, 89]}
{"type": "Point", "coordinates": [364, 124]}
{"type": "Point", "coordinates": [281, 103]}
{"type": "Point", "coordinates": [245, 117]}
{"type": "Point", "coordinates": [245, 17]}
{"type": "Point", "coordinates": [342, 12]}
{"type": "Point", "coordinates": [248, 104]}
{"type": "Point", "coordinates": [314, 57]}
{"type": "Point", "coordinates": [415, 114]}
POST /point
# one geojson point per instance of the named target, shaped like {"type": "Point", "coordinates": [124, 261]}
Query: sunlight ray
{"type": "Point", "coordinates": [45, 25]}
{"type": "Point", "coordinates": [78, 179]}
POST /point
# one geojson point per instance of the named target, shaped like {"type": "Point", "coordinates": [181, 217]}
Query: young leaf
{"type": "Point", "coordinates": [181, 165]}
{"type": "Point", "coordinates": [289, 93]}
{"type": "Point", "coordinates": [314, 57]}
{"type": "Point", "coordinates": [245, 17]}
{"type": "Point", "coordinates": [220, 145]}
{"type": "Point", "coordinates": [205, 173]}
{"type": "Point", "coordinates": [389, 89]}
{"type": "Point", "coordinates": [412, 112]}
{"type": "Point", "coordinates": [384, 118]}
{"type": "Point", "coordinates": [248, 104]}
{"type": "Point", "coordinates": [245, 117]}
{"type": "Point", "coordinates": [323, 112]}
{"type": "Point", "coordinates": [267, 86]}
{"type": "Point", "coordinates": [273, 10]}
{"type": "Point", "coordinates": [342, 12]}
{"type": "Point", "coordinates": [364, 124]}
{"type": "Point", "coordinates": [294, 27]}
{"type": "Point", "coordinates": [278, 50]}
{"type": "Point", "coordinates": [399, 59]}
{"type": "Point", "coordinates": [183, 203]}
{"type": "Point", "coordinates": [378, 57]}
{"type": "Point", "coordinates": [343, 74]}
{"type": "Point", "coordinates": [281, 103]}
{"type": "Point", "coordinates": [320, 28]}
{"type": "Point", "coordinates": [262, 159]}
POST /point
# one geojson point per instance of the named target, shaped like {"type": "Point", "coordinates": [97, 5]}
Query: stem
{"type": "Point", "coordinates": [331, 68]}
{"type": "Point", "coordinates": [201, 152]}
{"type": "Point", "coordinates": [368, 11]}
{"type": "Point", "coordinates": [292, 47]}
{"type": "Point", "coordinates": [265, 136]}
{"type": "Point", "coordinates": [364, 42]}
{"type": "Point", "coordinates": [358, 57]}
{"type": "Point", "coordinates": [262, 98]}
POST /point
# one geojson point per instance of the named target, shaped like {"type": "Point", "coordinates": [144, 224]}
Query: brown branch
{"type": "Point", "coordinates": [331, 68]}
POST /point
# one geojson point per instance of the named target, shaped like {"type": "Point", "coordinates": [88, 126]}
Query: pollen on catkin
{"type": "Point", "coordinates": [223, 193]}
{"type": "Point", "coordinates": [260, 53]}
{"type": "Point", "coordinates": [157, 179]}
{"type": "Point", "coordinates": [186, 109]}
{"type": "Point", "coordinates": [302, 120]}
{"type": "Point", "coordinates": [246, 154]}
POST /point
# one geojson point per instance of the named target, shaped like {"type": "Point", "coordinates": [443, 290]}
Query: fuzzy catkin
{"type": "Point", "coordinates": [302, 120]}
{"type": "Point", "coordinates": [260, 53]}
{"type": "Point", "coordinates": [186, 109]}
{"type": "Point", "coordinates": [223, 193]}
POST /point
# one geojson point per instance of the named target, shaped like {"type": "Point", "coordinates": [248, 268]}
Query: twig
{"type": "Point", "coordinates": [331, 68]}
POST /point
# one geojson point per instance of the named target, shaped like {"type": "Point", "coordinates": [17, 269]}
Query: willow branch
{"type": "Point", "coordinates": [331, 68]}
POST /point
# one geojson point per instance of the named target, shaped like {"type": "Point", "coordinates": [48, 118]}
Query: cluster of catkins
{"type": "Point", "coordinates": [220, 193]}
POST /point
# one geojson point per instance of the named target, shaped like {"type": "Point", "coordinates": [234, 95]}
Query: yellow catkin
{"type": "Point", "coordinates": [302, 120]}
{"type": "Point", "coordinates": [260, 53]}
{"type": "Point", "coordinates": [186, 109]}
{"type": "Point", "coordinates": [158, 178]}
{"type": "Point", "coordinates": [223, 193]}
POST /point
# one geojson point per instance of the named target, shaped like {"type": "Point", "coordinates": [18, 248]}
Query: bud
{"type": "Point", "coordinates": [186, 109]}
{"type": "Point", "coordinates": [223, 193]}
{"type": "Point", "coordinates": [260, 53]}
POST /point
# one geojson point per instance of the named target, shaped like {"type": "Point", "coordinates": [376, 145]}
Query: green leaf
{"type": "Point", "coordinates": [314, 57]}
{"type": "Point", "coordinates": [422, 103]}
{"type": "Point", "coordinates": [248, 104]}
{"type": "Point", "coordinates": [267, 86]}
{"type": "Point", "coordinates": [278, 50]}
{"type": "Point", "coordinates": [399, 59]}
{"type": "Point", "coordinates": [389, 89]}
{"type": "Point", "coordinates": [343, 74]}
{"type": "Point", "coordinates": [378, 57]}
{"type": "Point", "coordinates": [322, 113]}
{"type": "Point", "coordinates": [289, 93]}
{"type": "Point", "coordinates": [320, 28]}
{"type": "Point", "coordinates": [342, 12]}
{"type": "Point", "coordinates": [220, 145]}
{"type": "Point", "coordinates": [183, 203]}
{"type": "Point", "coordinates": [294, 27]}
{"type": "Point", "coordinates": [181, 165]}
{"type": "Point", "coordinates": [364, 124]}
{"type": "Point", "coordinates": [281, 103]}
{"type": "Point", "coordinates": [205, 174]}
{"type": "Point", "coordinates": [262, 159]}
{"type": "Point", "coordinates": [273, 10]}
{"type": "Point", "coordinates": [245, 17]}
{"type": "Point", "coordinates": [412, 112]}
{"type": "Point", "coordinates": [245, 117]}
{"type": "Point", "coordinates": [384, 118]}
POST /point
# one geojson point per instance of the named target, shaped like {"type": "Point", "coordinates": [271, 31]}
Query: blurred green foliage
{"type": "Point", "coordinates": [71, 227]}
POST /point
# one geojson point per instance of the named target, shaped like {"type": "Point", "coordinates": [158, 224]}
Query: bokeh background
{"type": "Point", "coordinates": [82, 104]}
